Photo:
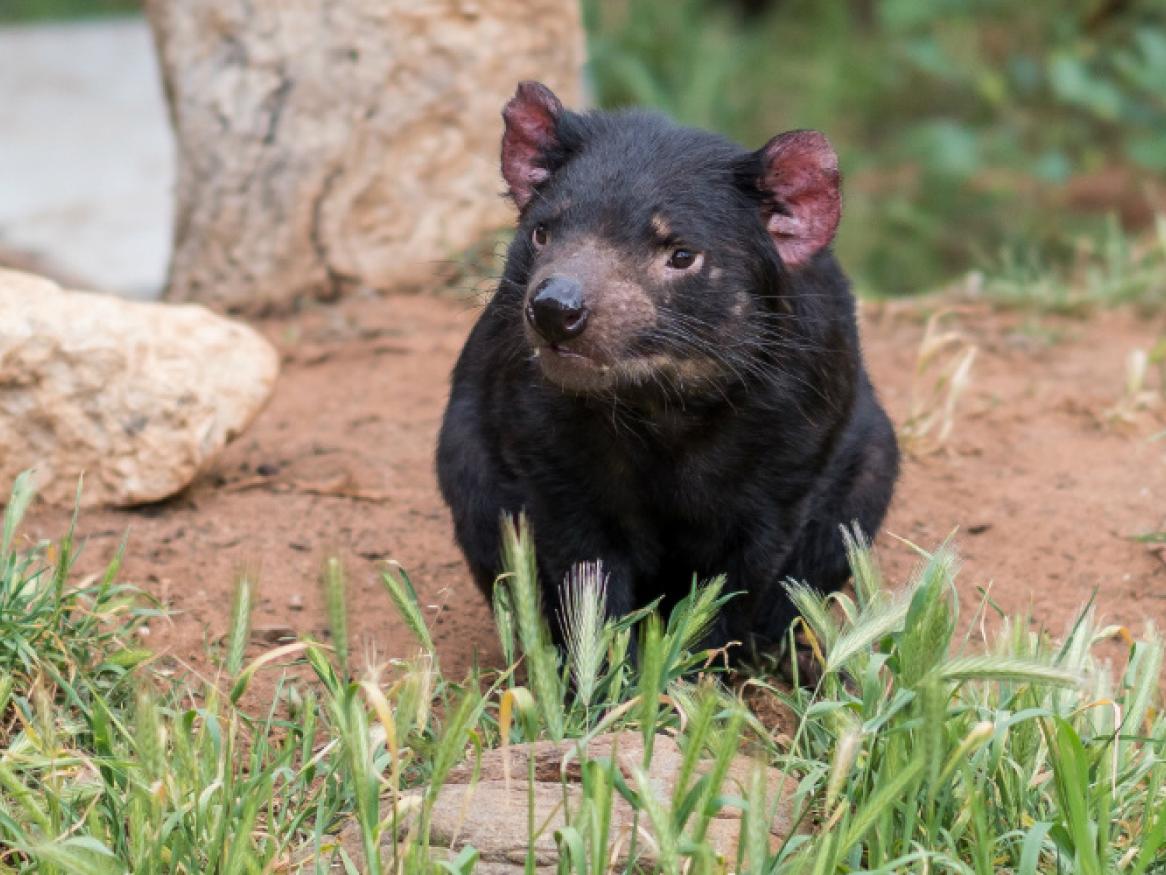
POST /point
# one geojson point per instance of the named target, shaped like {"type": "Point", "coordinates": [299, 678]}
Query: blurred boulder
{"type": "Point", "coordinates": [137, 396]}
{"type": "Point", "coordinates": [329, 146]}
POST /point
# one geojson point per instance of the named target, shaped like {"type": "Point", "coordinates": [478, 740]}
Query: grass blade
{"type": "Point", "coordinates": [400, 589]}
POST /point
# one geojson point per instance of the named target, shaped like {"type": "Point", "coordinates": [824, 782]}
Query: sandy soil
{"type": "Point", "coordinates": [1045, 487]}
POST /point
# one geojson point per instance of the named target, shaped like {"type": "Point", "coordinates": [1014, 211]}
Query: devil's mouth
{"type": "Point", "coordinates": [562, 351]}
{"type": "Point", "coordinates": [571, 369]}
{"type": "Point", "coordinates": [579, 371]}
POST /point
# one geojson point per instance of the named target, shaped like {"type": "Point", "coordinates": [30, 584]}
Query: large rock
{"type": "Point", "coordinates": [328, 146]}
{"type": "Point", "coordinates": [491, 813]}
{"type": "Point", "coordinates": [138, 397]}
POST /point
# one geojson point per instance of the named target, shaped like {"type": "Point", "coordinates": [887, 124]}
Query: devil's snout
{"type": "Point", "coordinates": [556, 309]}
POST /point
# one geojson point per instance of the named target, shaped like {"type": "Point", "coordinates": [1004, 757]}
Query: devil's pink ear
{"type": "Point", "coordinates": [799, 173]}
{"type": "Point", "coordinates": [530, 118]}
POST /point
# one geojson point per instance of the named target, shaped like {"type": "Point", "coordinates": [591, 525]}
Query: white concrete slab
{"type": "Point", "coordinates": [86, 153]}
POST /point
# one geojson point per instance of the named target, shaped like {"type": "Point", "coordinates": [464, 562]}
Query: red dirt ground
{"type": "Point", "coordinates": [1046, 489]}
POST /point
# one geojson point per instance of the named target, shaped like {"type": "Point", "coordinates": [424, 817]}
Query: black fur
{"type": "Point", "coordinates": [751, 475]}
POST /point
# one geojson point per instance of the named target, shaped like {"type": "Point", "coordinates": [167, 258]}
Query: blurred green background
{"type": "Point", "coordinates": [45, 10]}
{"type": "Point", "coordinates": [972, 133]}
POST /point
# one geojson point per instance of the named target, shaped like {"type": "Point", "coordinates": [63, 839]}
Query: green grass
{"type": "Point", "coordinates": [48, 10]}
{"type": "Point", "coordinates": [918, 751]}
{"type": "Point", "coordinates": [1110, 269]}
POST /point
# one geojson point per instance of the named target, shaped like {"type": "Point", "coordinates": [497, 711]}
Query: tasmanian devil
{"type": "Point", "coordinates": [668, 378]}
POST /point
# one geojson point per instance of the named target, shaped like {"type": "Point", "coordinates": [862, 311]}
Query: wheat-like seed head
{"type": "Point", "coordinates": [583, 597]}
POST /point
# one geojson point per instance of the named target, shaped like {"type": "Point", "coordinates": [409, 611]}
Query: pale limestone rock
{"type": "Point", "coordinates": [137, 396]}
{"type": "Point", "coordinates": [491, 813]}
{"type": "Point", "coordinates": [325, 147]}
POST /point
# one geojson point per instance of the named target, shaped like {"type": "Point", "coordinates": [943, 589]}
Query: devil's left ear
{"type": "Point", "coordinates": [531, 117]}
{"type": "Point", "coordinates": [799, 176]}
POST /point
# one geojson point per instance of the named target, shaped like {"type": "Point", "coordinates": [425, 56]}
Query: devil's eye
{"type": "Point", "coordinates": [682, 259]}
{"type": "Point", "coordinates": [540, 236]}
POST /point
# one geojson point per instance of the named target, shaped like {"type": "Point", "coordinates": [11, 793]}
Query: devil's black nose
{"type": "Point", "coordinates": [556, 310]}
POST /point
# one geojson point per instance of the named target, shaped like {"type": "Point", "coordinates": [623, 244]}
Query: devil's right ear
{"type": "Point", "coordinates": [800, 179]}
{"type": "Point", "coordinates": [530, 136]}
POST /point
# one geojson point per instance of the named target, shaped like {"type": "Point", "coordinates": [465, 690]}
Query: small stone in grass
{"type": "Point", "coordinates": [487, 806]}
{"type": "Point", "coordinates": [274, 634]}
